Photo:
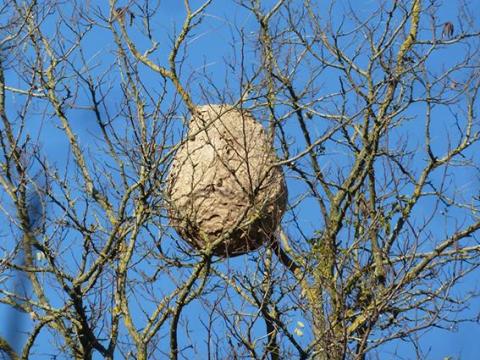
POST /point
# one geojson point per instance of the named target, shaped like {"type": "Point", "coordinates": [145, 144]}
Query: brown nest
{"type": "Point", "coordinates": [224, 189]}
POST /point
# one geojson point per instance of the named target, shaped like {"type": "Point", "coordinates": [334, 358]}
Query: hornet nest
{"type": "Point", "coordinates": [224, 190]}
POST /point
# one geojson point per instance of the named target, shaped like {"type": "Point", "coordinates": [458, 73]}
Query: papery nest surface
{"type": "Point", "coordinates": [224, 188]}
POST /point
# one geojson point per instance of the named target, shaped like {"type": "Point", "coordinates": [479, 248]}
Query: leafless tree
{"type": "Point", "coordinates": [373, 112]}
